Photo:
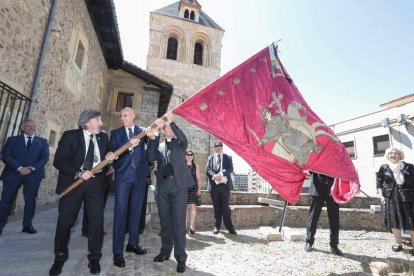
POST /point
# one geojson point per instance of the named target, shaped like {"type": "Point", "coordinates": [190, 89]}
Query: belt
{"type": "Point", "coordinates": [168, 177]}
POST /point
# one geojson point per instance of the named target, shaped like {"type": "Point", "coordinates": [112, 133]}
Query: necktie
{"type": "Point", "coordinates": [218, 168]}
{"type": "Point", "coordinates": [29, 143]}
{"type": "Point", "coordinates": [89, 155]}
{"type": "Point", "coordinates": [130, 134]}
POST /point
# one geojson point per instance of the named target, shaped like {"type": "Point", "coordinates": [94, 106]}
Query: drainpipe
{"type": "Point", "coordinates": [42, 56]}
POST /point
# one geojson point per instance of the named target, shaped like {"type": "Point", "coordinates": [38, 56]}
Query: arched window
{"type": "Point", "coordinates": [192, 15]}
{"type": "Point", "coordinates": [186, 14]}
{"type": "Point", "coordinates": [198, 54]}
{"type": "Point", "coordinates": [172, 48]}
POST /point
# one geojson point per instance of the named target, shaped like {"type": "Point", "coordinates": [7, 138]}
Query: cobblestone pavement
{"type": "Point", "coordinates": [248, 253]}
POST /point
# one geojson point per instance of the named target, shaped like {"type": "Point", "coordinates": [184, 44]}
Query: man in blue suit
{"type": "Point", "coordinates": [131, 171]}
{"type": "Point", "coordinates": [25, 157]}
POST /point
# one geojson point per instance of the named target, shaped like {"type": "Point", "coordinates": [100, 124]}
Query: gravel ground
{"type": "Point", "coordinates": [250, 253]}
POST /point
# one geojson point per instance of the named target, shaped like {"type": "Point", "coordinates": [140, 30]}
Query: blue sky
{"type": "Point", "coordinates": [346, 57]}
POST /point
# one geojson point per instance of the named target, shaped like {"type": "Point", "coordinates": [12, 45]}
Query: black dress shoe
{"type": "Point", "coordinates": [215, 230]}
{"type": "Point", "coordinates": [181, 267]}
{"type": "Point", "coordinates": [308, 247]}
{"type": "Point", "coordinates": [119, 260]}
{"type": "Point", "coordinates": [336, 251]}
{"type": "Point", "coordinates": [94, 267]}
{"type": "Point", "coordinates": [232, 231]}
{"type": "Point", "coordinates": [29, 230]}
{"type": "Point", "coordinates": [136, 249]}
{"type": "Point", "coordinates": [56, 268]}
{"type": "Point", "coordinates": [397, 247]}
{"type": "Point", "coordinates": [161, 257]}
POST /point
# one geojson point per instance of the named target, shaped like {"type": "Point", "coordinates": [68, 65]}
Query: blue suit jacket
{"type": "Point", "coordinates": [137, 157]}
{"type": "Point", "coordinates": [15, 155]}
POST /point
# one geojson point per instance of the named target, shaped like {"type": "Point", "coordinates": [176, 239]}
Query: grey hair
{"type": "Point", "coordinates": [387, 153]}
{"type": "Point", "coordinates": [86, 115]}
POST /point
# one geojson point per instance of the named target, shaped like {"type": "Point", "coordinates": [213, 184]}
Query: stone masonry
{"type": "Point", "coordinates": [186, 77]}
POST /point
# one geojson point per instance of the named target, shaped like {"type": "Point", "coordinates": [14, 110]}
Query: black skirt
{"type": "Point", "coordinates": [192, 191]}
{"type": "Point", "coordinates": [397, 214]}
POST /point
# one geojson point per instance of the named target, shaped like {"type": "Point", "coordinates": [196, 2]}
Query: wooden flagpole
{"type": "Point", "coordinates": [105, 162]}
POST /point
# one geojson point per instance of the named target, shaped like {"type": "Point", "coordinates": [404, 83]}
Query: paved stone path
{"type": "Point", "coordinates": [249, 253]}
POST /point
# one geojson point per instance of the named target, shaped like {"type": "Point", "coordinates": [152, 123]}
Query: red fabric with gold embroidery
{"type": "Point", "coordinates": [258, 112]}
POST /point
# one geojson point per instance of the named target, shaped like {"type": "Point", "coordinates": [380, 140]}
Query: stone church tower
{"type": "Point", "coordinates": [185, 50]}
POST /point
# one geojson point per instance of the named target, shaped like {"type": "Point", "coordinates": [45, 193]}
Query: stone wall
{"type": "Point", "coordinates": [246, 198]}
{"type": "Point", "coordinates": [22, 27]}
{"type": "Point", "coordinates": [186, 77]}
{"type": "Point", "coordinates": [145, 103]}
{"type": "Point", "coordinates": [64, 89]}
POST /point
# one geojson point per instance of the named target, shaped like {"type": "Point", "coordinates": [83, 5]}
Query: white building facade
{"type": "Point", "coordinates": [367, 137]}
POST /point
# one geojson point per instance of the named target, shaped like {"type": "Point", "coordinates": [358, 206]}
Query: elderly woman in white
{"type": "Point", "coordinates": [395, 185]}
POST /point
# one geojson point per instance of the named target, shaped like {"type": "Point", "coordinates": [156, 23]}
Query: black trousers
{"type": "Point", "coordinates": [144, 210]}
{"type": "Point", "coordinates": [91, 194]}
{"type": "Point", "coordinates": [220, 196]}
{"type": "Point", "coordinates": [172, 208]}
{"type": "Point", "coordinates": [106, 193]}
{"type": "Point", "coordinates": [316, 204]}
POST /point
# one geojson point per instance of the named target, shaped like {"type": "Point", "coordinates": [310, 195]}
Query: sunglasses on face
{"type": "Point", "coordinates": [216, 146]}
{"type": "Point", "coordinates": [189, 154]}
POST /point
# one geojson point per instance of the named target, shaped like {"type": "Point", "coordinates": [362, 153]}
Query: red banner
{"type": "Point", "coordinates": [257, 111]}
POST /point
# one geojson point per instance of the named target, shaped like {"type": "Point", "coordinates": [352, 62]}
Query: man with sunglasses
{"type": "Point", "coordinates": [219, 169]}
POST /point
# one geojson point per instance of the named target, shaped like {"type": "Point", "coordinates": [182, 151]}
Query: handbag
{"type": "Point", "coordinates": [406, 195]}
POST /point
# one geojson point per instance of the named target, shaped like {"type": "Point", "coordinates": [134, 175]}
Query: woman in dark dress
{"type": "Point", "coordinates": [395, 184]}
{"type": "Point", "coordinates": [193, 192]}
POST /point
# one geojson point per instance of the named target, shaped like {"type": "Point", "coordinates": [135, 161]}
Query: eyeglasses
{"type": "Point", "coordinates": [216, 146]}
{"type": "Point", "coordinates": [189, 154]}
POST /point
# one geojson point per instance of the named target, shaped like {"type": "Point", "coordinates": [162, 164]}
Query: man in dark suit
{"type": "Point", "coordinates": [173, 180]}
{"type": "Point", "coordinates": [320, 192]}
{"type": "Point", "coordinates": [219, 169]}
{"type": "Point", "coordinates": [131, 171]}
{"type": "Point", "coordinates": [80, 150]}
{"type": "Point", "coordinates": [25, 157]}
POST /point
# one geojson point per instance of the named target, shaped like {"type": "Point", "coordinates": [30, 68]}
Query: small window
{"type": "Point", "coordinates": [52, 138]}
{"type": "Point", "coordinates": [381, 143]}
{"type": "Point", "coordinates": [192, 15]}
{"type": "Point", "coordinates": [80, 54]}
{"type": "Point", "coordinates": [172, 48]}
{"type": "Point", "coordinates": [186, 14]}
{"type": "Point", "coordinates": [124, 100]}
{"type": "Point", "coordinates": [350, 148]}
{"type": "Point", "coordinates": [198, 54]}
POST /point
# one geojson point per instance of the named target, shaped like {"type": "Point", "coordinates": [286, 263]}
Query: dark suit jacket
{"type": "Point", "coordinates": [386, 180]}
{"type": "Point", "coordinates": [227, 167]}
{"type": "Point", "coordinates": [137, 157]}
{"type": "Point", "coordinates": [70, 155]}
{"type": "Point", "coordinates": [320, 185]}
{"type": "Point", "coordinates": [15, 155]}
{"type": "Point", "coordinates": [178, 147]}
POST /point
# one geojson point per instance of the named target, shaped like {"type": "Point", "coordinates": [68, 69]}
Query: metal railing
{"type": "Point", "coordinates": [13, 109]}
